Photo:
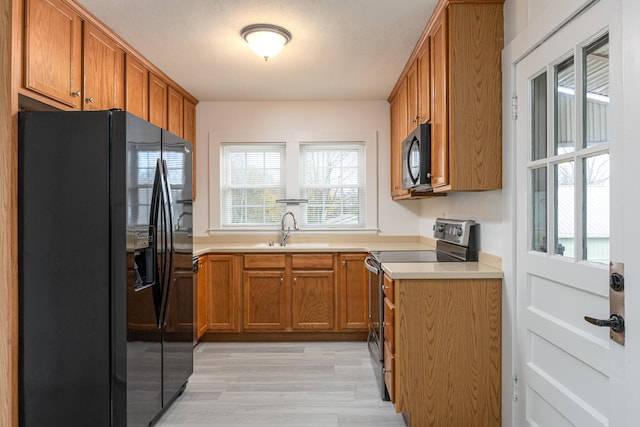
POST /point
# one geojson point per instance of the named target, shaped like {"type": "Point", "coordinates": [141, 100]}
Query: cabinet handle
{"type": "Point", "coordinates": [344, 263]}
{"type": "Point", "coordinates": [385, 324]}
{"type": "Point", "coordinates": [76, 93]}
{"type": "Point", "coordinates": [90, 99]}
{"type": "Point", "coordinates": [295, 280]}
{"type": "Point", "coordinates": [281, 279]}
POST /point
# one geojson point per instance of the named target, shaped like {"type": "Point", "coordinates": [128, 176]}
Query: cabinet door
{"type": "Point", "coordinates": [439, 115]}
{"type": "Point", "coordinates": [53, 51]}
{"type": "Point", "coordinates": [413, 97]}
{"type": "Point", "coordinates": [190, 123]}
{"type": "Point", "coordinates": [313, 300]}
{"type": "Point", "coordinates": [158, 89]}
{"type": "Point", "coordinates": [264, 300]}
{"type": "Point", "coordinates": [424, 82]}
{"type": "Point", "coordinates": [175, 112]}
{"type": "Point", "coordinates": [398, 133]}
{"type": "Point", "coordinates": [221, 295]}
{"type": "Point", "coordinates": [354, 292]}
{"type": "Point", "coordinates": [202, 299]}
{"type": "Point", "coordinates": [103, 71]}
{"type": "Point", "coordinates": [137, 88]}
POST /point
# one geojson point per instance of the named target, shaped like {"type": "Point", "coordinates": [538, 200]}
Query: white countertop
{"type": "Point", "coordinates": [441, 270]}
{"type": "Point", "coordinates": [487, 268]}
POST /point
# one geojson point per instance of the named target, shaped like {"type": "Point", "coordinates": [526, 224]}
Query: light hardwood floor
{"type": "Point", "coordinates": [323, 384]}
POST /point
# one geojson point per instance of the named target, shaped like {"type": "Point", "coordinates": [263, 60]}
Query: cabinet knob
{"type": "Point", "coordinates": [77, 93]}
{"type": "Point", "coordinates": [295, 280]}
{"type": "Point", "coordinates": [282, 280]}
{"type": "Point", "coordinates": [90, 99]}
{"type": "Point", "coordinates": [386, 371]}
{"type": "Point", "coordinates": [344, 263]}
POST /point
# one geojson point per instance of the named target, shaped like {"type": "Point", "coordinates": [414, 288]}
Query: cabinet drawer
{"type": "Point", "coordinates": [264, 261]}
{"type": "Point", "coordinates": [389, 368]}
{"type": "Point", "coordinates": [389, 324]}
{"type": "Point", "coordinates": [388, 288]}
{"type": "Point", "coordinates": [312, 261]}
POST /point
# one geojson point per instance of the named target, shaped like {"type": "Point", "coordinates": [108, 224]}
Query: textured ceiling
{"type": "Point", "coordinates": [341, 49]}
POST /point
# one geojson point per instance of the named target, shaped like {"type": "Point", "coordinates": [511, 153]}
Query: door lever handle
{"type": "Point", "coordinates": [615, 322]}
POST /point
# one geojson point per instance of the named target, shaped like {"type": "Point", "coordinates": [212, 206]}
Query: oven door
{"type": "Point", "coordinates": [375, 308]}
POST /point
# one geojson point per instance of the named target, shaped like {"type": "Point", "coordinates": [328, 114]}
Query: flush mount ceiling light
{"type": "Point", "coordinates": [265, 40]}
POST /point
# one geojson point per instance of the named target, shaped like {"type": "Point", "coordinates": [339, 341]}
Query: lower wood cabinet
{"type": "Point", "coordinates": [313, 292]}
{"type": "Point", "coordinates": [448, 351]}
{"type": "Point", "coordinates": [265, 300]}
{"type": "Point", "coordinates": [222, 293]}
{"type": "Point", "coordinates": [353, 287]}
{"type": "Point", "coordinates": [259, 293]}
{"type": "Point", "coordinates": [201, 297]}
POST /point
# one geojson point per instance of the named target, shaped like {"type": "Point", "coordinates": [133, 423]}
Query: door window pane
{"type": "Point", "coordinates": [596, 113]}
{"type": "Point", "coordinates": [539, 117]}
{"type": "Point", "coordinates": [596, 208]}
{"type": "Point", "coordinates": [564, 209]}
{"type": "Point", "coordinates": [539, 209]}
{"type": "Point", "coordinates": [565, 107]}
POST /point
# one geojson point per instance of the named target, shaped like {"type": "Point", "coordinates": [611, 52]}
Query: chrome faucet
{"type": "Point", "coordinates": [285, 233]}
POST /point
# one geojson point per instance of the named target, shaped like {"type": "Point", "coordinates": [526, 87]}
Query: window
{"type": "Point", "coordinates": [333, 170]}
{"type": "Point", "coordinates": [252, 179]}
{"type": "Point", "coordinates": [333, 182]}
{"type": "Point", "coordinates": [570, 188]}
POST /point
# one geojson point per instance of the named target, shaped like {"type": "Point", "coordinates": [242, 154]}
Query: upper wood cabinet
{"type": "Point", "coordinates": [103, 71]}
{"type": "Point", "coordinates": [53, 51]}
{"type": "Point", "coordinates": [137, 88]}
{"type": "Point", "coordinates": [189, 123]}
{"type": "Point", "coordinates": [399, 131]}
{"type": "Point", "coordinates": [453, 80]}
{"type": "Point", "coordinates": [158, 96]}
{"type": "Point", "coordinates": [467, 88]}
{"type": "Point", "coordinates": [439, 124]}
{"type": "Point", "coordinates": [175, 112]}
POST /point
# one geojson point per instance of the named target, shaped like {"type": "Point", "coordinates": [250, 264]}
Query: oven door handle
{"type": "Point", "coordinates": [372, 265]}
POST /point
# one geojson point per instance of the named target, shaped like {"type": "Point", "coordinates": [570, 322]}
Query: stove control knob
{"type": "Point", "coordinates": [459, 231]}
{"type": "Point", "coordinates": [440, 228]}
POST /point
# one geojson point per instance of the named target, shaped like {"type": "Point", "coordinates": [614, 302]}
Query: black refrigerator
{"type": "Point", "coordinates": [105, 269]}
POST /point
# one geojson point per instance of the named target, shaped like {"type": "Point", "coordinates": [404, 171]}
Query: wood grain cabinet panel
{"type": "Point", "coordinates": [353, 287]}
{"type": "Point", "coordinates": [399, 131]}
{"type": "Point", "coordinates": [448, 351]}
{"type": "Point", "coordinates": [202, 303]}
{"type": "Point", "coordinates": [158, 96]}
{"type": "Point", "coordinates": [424, 82]}
{"type": "Point", "coordinates": [439, 116]}
{"type": "Point", "coordinates": [175, 111]}
{"type": "Point", "coordinates": [222, 294]}
{"type": "Point", "coordinates": [265, 300]}
{"type": "Point", "coordinates": [53, 51]}
{"type": "Point", "coordinates": [103, 71]}
{"type": "Point", "coordinates": [313, 300]}
{"type": "Point", "coordinates": [137, 88]}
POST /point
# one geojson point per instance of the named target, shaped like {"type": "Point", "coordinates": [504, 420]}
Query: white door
{"type": "Point", "coordinates": [566, 366]}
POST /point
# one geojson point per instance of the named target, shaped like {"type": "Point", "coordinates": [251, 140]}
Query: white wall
{"type": "Point", "coordinates": [393, 218]}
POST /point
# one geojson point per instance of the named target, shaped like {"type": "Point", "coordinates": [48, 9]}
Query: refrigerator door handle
{"type": "Point", "coordinates": [155, 218]}
{"type": "Point", "coordinates": [171, 248]}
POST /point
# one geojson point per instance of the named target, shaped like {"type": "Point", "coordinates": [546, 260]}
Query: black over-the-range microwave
{"type": "Point", "coordinates": [416, 159]}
